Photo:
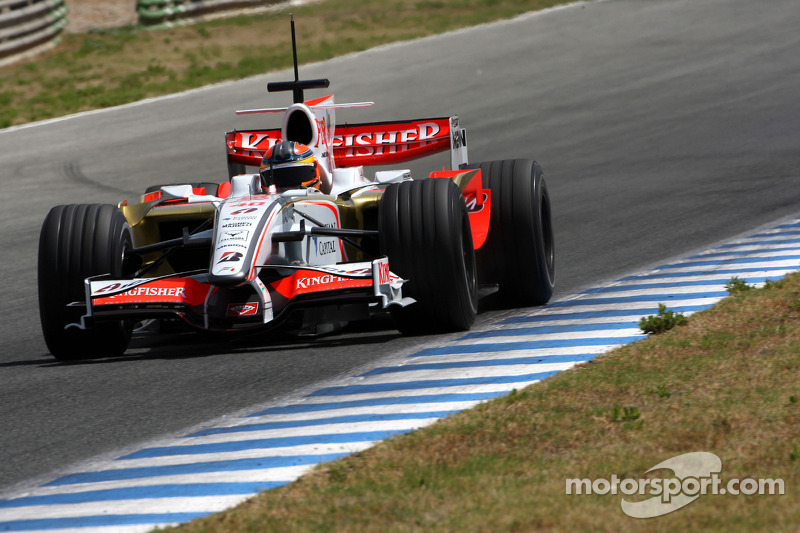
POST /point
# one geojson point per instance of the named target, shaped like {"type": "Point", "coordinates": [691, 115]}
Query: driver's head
{"type": "Point", "coordinates": [290, 165]}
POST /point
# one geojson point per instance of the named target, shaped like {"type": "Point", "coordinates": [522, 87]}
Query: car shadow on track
{"type": "Point", "coordinates": [194, 345]}
{"type": "Point", "coordinates": [175, 345]}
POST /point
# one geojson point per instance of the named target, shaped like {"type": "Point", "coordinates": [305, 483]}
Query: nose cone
{"type": "Point", "coordinates": [238, 233]}
{"type": "Point", "coordinates": [227, 280]}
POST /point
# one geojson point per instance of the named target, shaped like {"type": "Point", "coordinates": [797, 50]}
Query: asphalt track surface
{"type": "Point", "coordinates": [662, 126]}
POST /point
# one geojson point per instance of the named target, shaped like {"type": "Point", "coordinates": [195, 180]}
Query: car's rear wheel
{"type": "Point", "coordinates": [78, 241]}
{"type": "Point", "coordinates": [425, 232]}
{"type": "Point", "coordinates": [519, 252]}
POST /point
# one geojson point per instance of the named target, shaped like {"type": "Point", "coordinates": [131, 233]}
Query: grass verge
{"type": "Point", "coordinates": [103, 69]}
{"type": "Point", "coordinates": [724, 383]}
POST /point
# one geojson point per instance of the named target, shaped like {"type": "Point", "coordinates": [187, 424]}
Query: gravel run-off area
{"type": "Point", "coordinates": [87, 14]}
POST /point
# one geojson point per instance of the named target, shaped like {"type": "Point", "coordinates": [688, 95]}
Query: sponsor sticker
{"type": "Point", "coordinates": [472, 203]}
{"type": "Point", "coordinates": [324, 279]}
{"type": "Point", "coordinates": [254, 203]}
{"type": "Point", "coordinates": [252, 141]}
{"type": "Point", "coordinates": [384, 276]}
{"type": "Point", "coordinates": [358, 272]}
{"type": "Point", "coordinates": [233, 235]}
{"type": "Point", "coordinates": [326, 246]}
{"type": "Point", "coordinates": [230, 257]}
{"type": "Point", "coordinates": [177, 290]}
{"type": "Point", "coordinates": [247, 309]}
{"type": "Point", "coordinates": [116, 286]}
{"type": "Point", "coordinates": [378, 142]}
{"type": "Point", "coordinates": [239, 246]}
{"type": "Point", "coordinates": [157, 291]}
{"type": "Point", "coordinates": [237, 224]}
{"type": "Point", "coordinates": [307, 281]}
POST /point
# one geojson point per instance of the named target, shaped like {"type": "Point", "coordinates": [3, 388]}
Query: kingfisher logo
{"type": "Point", "coordinates": [380, 142]}
{"type": "Point", "coordinates": [384, 275]}
{"type": "Point", "coordinates": [156, 291]}
{"type": "Point", "coordinates": [252, 141]}
{"type": "Point", "coordinates": [179, 292]}
{"type": "Point", "coordinates": [244, 211]}
{"type": "Point", "coordinates": [326, 279]}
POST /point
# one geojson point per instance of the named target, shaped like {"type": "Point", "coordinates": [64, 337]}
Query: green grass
{"type": "Point", "coordinates": [725, 383]}
{"type": "Point", "coordinates": [661, 322]}
{"type": "Point", "coordinates": [113, 67]}
{"type": "Point", "coordinates": [737, 285]}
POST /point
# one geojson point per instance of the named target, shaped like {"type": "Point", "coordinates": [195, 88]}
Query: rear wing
{"type": "Point", "coordinates": [374, 143]}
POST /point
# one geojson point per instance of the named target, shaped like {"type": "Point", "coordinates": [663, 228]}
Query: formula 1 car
{"type": "Point", "coordinates": [253, 253]}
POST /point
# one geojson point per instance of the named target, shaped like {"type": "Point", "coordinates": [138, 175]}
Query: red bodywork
{"type": "Point", "coordinates": [478, 200]}
{"type": "Point", "coordinates": [374, 143]}
{"type": "Point", "coordinates": [378, 143]}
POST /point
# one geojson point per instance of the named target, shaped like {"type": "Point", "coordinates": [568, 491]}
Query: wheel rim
{"type": "Point", "coordinates": [547, 233]}
{"type": "Point", "coordinates": [470, 273]}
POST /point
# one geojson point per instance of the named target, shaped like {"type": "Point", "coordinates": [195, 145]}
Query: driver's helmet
{"type": "Point", "coordinates": [290, 165]}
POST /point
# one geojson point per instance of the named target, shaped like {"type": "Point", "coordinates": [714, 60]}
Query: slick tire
{"type": "Point", "coordinates": [78, 241]}
{"type": "Point", "coordinates": [519, 252]}
{"type": "Point", "coordinates": [425, 233]}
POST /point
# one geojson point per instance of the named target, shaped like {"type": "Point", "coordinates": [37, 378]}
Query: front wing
{"type": "Point", "coordinates": [206, 306]}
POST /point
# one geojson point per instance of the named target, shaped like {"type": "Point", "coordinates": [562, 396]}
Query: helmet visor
{"type": "Point", "coordinates": [294, 175]}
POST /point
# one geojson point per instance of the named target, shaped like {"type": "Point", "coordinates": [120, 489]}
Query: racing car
{"type": "Point", "coordinates": [300, 236]}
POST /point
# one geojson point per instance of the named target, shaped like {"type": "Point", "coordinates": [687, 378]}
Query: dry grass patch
{"type": "Point", "coordinates": [102, 69]}
{"type": "Point", "coordinates": [725, 383]}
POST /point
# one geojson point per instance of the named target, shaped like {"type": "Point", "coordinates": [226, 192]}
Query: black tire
{"type": "Point", "coordinates": [519, 252]}
{"type": "Point", "coordinates": [425, 232]}
{"type": "Point", "coordinates": [78, 241]}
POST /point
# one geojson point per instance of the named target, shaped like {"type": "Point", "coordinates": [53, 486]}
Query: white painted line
{"type": "Point", "coordinates": [309, 431]}
{"type": "Point", "coordinates": [268, 473]}
{"type": "Point", "coordinates": [272, 475]}
{"type": "Point", "coordinates": [129, 507]}
{"type": "Point", "coordinates": [573, 336]}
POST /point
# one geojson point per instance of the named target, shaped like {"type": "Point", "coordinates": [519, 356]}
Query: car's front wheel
{"type": "Point", "coordinates": [76, 242]}
{"type": "Point", "coordinates": [425, 232]}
